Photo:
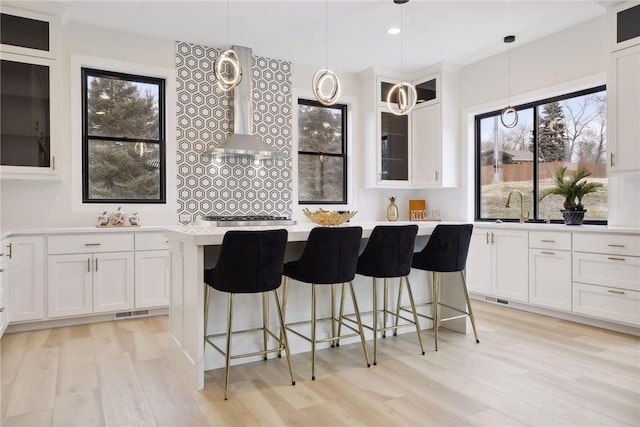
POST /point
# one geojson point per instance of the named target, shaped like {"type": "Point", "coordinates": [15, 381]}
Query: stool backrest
{"type": "Point", "coordinates": [389, 251]}
{"type": "Point", "coordinates": [249, 262]}
{"type": "Point", "coordinates": [446, 249]}
{"type": "Point", "coordinates": [330, 255]}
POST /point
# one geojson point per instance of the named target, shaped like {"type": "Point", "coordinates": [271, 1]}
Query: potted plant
{"type": "Point", "coordinates": [573, 189]}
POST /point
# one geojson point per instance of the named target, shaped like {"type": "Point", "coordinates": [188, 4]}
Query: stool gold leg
{"type": "Point", "coordinates": [375, 322]}
{"type": "Point", "coordinates": [436, 299]}
{"type": "Point", "coordinates": [361, 331]}
{"type": "Point", "coordinates": [207, 294]}
{"type": "Point", "coordinates": [466, 295]}
{"type": "Point", "coordinates": [265, 322]}
{"type": "Point", "coordinates": [341, 315]}
{"type": "Point", "coordinates": [227, 355]}
{"type": "Point", "coordinates": [333, 313]}
{"type": "Point", "coordinates": [284, 341]}
{"type": "Point", "coordinates": [313, 332]}
{"type": "Point", "coordinates": [399, 301]}
{"type": "Point", "coordinates": [385, 308]}
{"type": "Point", "coordinates": [415, 313]}
{"type": "Point", "coordinates": [284, 309]}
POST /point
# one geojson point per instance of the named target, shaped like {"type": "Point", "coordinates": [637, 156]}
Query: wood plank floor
{"type": "Point", "coordinates": [528, 370]}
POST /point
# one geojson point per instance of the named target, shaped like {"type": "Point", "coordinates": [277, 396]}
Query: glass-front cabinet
{"type": "Point", "coordinates": [393, 163]}
{"type": "Point", "coordinates": [28, 92]}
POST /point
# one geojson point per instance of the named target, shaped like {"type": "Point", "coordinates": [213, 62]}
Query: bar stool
{"type": "Point", "coordinates": [329, 257]}
{"type": "Point", "coordinates": [446, 251]}
{"type": "Point", "coordinates": [250, 262]}
{"type": "Point", "coordinates": [388, 254]}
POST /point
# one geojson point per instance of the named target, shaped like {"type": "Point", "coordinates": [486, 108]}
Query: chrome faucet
{"type": "Point", "coordinates": [522, 217]}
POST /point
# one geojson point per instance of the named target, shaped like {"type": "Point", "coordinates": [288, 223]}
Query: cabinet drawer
{"type": "Point", "coordinates": [151, 241]}
{"type": "Point", "coordinates": [607, 303]}
{"type": "Point", "coordinates": [618, 244]}
{"type": "Point", "coordinates": [90, 243]}
{"type": "Point", "coordinates": [607, 270]}
{"type": "Point", "coordinates": [550, 240]}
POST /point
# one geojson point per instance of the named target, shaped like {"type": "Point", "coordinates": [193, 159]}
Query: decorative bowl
{"type": "Point", "coordinates": [329, 218]}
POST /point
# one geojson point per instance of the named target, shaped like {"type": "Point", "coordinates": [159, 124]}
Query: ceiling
{"type": "Point", "coordinates": [459, 32]}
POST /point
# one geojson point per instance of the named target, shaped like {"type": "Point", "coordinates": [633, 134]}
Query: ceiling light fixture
{"type": "Point", "coordinates": [393, 31]}
{"type": "Point", "coordinates": [404, 93]}
{"type": "Point", "coordinates": [509, 115]}
{"type": "Point", "coordinates": [227, 59]}
{"type": "Point", "coordinates": [325, 76]}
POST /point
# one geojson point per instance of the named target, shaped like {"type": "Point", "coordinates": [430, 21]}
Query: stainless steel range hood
{"type": "Point", "coordinates": [241, 142]}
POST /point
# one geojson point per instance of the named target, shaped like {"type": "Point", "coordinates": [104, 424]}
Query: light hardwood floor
{"type": "Point", "coordinates": [528, 370]}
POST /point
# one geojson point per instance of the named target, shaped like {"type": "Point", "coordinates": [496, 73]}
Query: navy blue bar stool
{"type": "Point", "coordinates": [446, 251]}
{"type": "Point", "coordinates": [329, 257]}
{"type": "Point", "coordinates": [250, 262]}
{"type": "Point", "coordinates": [388, 254]}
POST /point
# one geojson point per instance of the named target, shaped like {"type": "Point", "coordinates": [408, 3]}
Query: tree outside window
{"type": "Point", "coordinates": [123, 138]}
{"type": "Point", "coordinates": [322, 153]}
{"type": "Point", "coordinates": [569, 131]}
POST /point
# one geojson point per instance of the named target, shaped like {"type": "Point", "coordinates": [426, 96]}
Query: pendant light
{"type": "Point", "coordinates": [227, 58]}
{"type": "Point", "coordinates": [325, 76]}
{"type": "Point", "coordinates": [509, 110]}
{"type": "Point", "coordinates": [404, 93]}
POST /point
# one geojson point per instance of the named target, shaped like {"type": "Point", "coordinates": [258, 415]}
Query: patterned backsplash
{"type": "Point", "coordinates": [231, 186]}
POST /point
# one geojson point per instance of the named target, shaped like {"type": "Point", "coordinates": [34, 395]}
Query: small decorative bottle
{"type": "Point", "coordinates": [392, 210]}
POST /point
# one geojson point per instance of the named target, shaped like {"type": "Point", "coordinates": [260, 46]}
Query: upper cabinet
{"type": "Point", "coordinates": [29, 93]}
{"type": "Point", "coordinates": [623, 88]}
{"type": "Point", "coordinates": [417, 150]}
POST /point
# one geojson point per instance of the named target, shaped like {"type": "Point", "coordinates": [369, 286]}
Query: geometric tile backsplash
{"type": "Point", "coordinates": [231, 186]}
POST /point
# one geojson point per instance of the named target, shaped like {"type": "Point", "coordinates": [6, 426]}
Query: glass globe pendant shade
{"type": "Point", "coordinates": [326, 95]}
{"type": "Point", "coordinates": [228, 58]}
{"type": "Point", "coordinates": [406, 97]}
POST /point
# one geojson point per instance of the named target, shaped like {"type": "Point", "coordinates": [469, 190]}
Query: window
{"type": "Point", "coordinates": [568, 130]}
{"type": "Point", "coordinates": [123, 136]}
{"type": "Point", "coordinates": [322, 148]}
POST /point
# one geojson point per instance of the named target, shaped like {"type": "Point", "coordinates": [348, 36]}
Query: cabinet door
{"type": "Point", "coordinates": [623, 92]}
{"type": "Point", "coordinates": [479, 275]}
{"type": "Point", "coordinates": [27, 281]}
{"type": "Point", "coordinates": [152, 279]}
{"type": "Point", "coordinates": [550, 278]}
{"type": "Point", "coordinates": [607, 303]}
{"type": "Point", "coordinates": [113, 281]}
{"type": "Point", "coordinates": [427, 153]}
{"type": "Point", "coordinates": [70, 285]}
{"type": "Point", "coordinates": [4, 293]}
{"type": "Point", "coordinates": [393, 149]}
{"type": "Point", "coordinates": [511, 265]}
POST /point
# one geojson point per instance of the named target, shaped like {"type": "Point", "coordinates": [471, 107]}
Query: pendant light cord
{"type": "Point", "coordinates": [401, 38]}
{"type": "Point", "coordinates": [326, 35]}
{"type": "Point", "coordinates": [509, 73]}
{"type": "Point", "coordinates": [228, 23]}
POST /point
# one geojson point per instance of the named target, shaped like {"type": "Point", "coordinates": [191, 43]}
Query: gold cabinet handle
{"type": "Point", "coordinates": [436, 175]}
{"type": "Point", "coordinates": [88, 265]}
{"type": "Point", "coordinates": [487, 238]}
{"type": "Point", "coordinates": [1, 309]}
{"type": "Point", "coordinates": [611, 291]}
{"type": "Point", "coordinates": [612, 258]}
{"type": "Point", "coordinates": [96, 264]}
{"type": "Point", "coordinates": [1, 270]}
{"type": "Point", "coordinates": [492, 241]}
{"type": "Point", "coordinates": [611, 162]}
{"type": "Point", "coordinates": [547, 253]}
{"type": "Point", "coordinates": [92, 244]}
{"type": "Point", "coordinates": [10, 254]}
{"type": "Point", "coordinates": [613, 245]}
{"type": "Point", "coordinates": [547, 241]}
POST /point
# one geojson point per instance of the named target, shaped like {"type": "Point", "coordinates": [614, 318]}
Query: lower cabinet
{"type": "Point", "coordinates": [619, 305]}
{"type": "Point", "coordinates": [4, 290]}
{"type": "Point", "coordinates": [550, 278]}
{"type": "Point", "coordinates": [26, 258]}
{"type": "Point", "coordinates": [90, 283]}
{"type": "Point", "coordinates": [152, 279]}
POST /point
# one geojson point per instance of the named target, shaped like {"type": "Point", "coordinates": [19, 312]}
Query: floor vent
{"type": "Point", "coordinates": [132, 313]}
{"type": "Point", "coordinates": [502, 301]}
{"type": "Point", "coordinates": [141, 313]}
{"type": "Point", "coordinates": [123, 314]}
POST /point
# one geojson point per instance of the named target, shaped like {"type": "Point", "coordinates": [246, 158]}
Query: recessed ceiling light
{"type": "Point", "coordinates": [393, 31]}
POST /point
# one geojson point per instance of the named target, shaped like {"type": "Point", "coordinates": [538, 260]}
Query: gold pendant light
{"type": "Point", "coordinates": [405, 93]}
{"type": "Point", "coordinates": [325, 76]}
{"type": "Point", "coordinates": [227, 59]}
{"type": "Point", "coordinates": [509, 115]}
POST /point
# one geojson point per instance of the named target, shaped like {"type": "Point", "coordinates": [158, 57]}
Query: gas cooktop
{"type": "Point", "coordinates": [249, 220]}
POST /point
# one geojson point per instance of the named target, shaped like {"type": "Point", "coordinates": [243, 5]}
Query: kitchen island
{"type": "Point", "coordinates": [194, 248]}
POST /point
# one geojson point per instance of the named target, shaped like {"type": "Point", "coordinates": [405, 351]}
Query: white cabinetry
{"type": "Point", "coordinates": [623, 102]}
{"type": "Point", "coordinates": [90, 273]}
{"type": "Point", "coordinates": [4, 289]}
{"type": "Point", "coordinates": [606, 276]}
{"type": "Point", "coordinates": [550, 269]}
{"type": "Point", "coordinates": [497, 263]}
{"type": "Point", "coordinates": [152, 277]}
{"type": "Point", "coordinates": [26, 256]}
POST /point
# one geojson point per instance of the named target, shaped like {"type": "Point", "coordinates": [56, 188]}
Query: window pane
{"type": "Point", "coordinates": [123, 170]}
{"type": "Point", "coordinates": [322, 181]}
{"type": "Point", "coordinates": [25, 120]}
{"type": "Point", "coordinates": [320, 129]}
{"type": "Point", "coordinates": [122, 108]}
{"type": "Point", "coordinates": [511, 169]}
{"type": "Point", "coordinates": [24, 32]}
{"type": "Point", "coordinates": [572, 133]}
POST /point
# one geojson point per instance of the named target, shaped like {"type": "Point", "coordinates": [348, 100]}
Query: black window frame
{"type": "Point", "coordinates": [161, 141]}
{"type": "Point", "coordinates": [343, 108]}
{"type": "Point", "coordinates": [477, 160]}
